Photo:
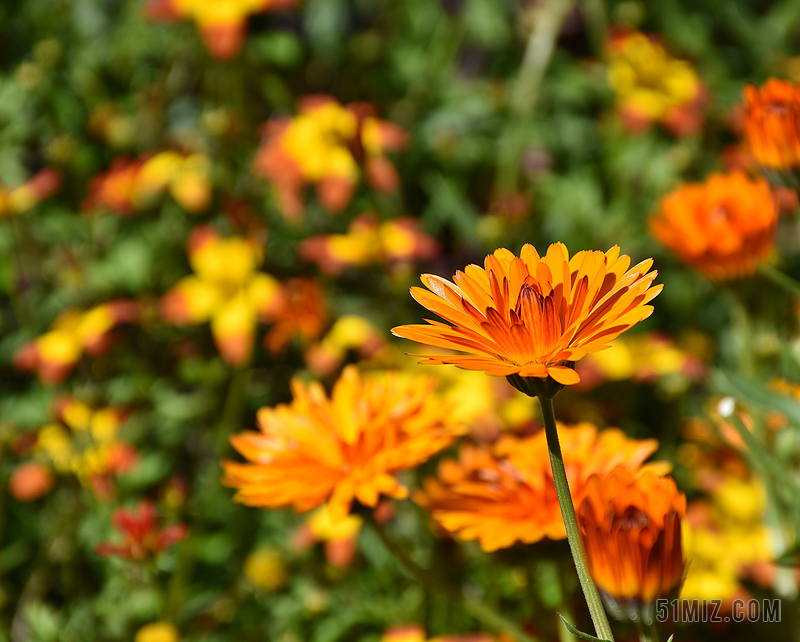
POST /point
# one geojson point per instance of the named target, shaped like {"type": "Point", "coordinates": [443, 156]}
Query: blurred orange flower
{"type": "Point", "coordinates": [222, 23]}
{"type": "Point", "coordinates": [416, 633]}
{"type": "Point", "coordinates": [143, 540]}
{"type": "Point", "coordinates": [772, 123]}
{"type": "Point", "coordinates": [226, 290]}
{"type": "Point", "coordinates": [323, 145]}
{"type": "Point", "coordinates": [349, 332]}
{"type": "Point", "coordinates": [30, 481]}
{"type": "Point", "coordinates": [367, 241]}
{"type": "Point", "coordinates": [298, 310]}
{"type": "Point", "coordinates": [54, 354]}
{"type": "Point", "coordinates": [631, 527]}
{"type": "Point", "coordinates": [533, 316]}
{"type": "Point", "coordinates": [134, 184]}
{"type": "Point", "coordinates": [722, 227]}
{"type": "Point", "coordinates": [651, 86]}
{"type": "Point", "coordinates": [340, 448]}
{"type": "Point", "coordinates": [25, 197]}
{"type": "Point", "coordinates": [505, 494]}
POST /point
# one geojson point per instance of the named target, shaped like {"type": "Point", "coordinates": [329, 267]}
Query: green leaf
{"type": "Point", "coordinates": [580, 634]}
{"type": "Point", "coordinates": [754, 392]}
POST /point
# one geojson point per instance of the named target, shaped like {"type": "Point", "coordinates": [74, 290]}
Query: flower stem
{"type": "Point", "coordinates": [593, 601]}
{"type": "Point", "coordinates": [481, 612]}
{"type": "Point", "coordinates": [647, 633]}
{"type": "Point", "coordinates": [779, 278]}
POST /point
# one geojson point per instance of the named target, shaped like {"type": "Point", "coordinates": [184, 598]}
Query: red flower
{"type": "Point", "coordinates": [142, 537]}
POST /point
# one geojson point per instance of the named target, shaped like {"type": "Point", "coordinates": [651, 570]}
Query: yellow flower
{"type": "Point", "coordinates": [158, 632]}
{"type": "Point", "coordinates": [266, 569]}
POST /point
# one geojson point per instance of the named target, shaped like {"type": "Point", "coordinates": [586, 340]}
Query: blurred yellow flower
{"type": "Point", "coordinates": [266, 569]}
{"type": "Point", "coordinates": [158, 632]}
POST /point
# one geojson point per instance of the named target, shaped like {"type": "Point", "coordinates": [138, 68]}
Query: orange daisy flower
{"type": "Point", "coordinates": [533, 316]}
{"type": "Point", "coordinates": [505, 494]}
{"type": "Point", "coordinates": [772, 123]}
{"type": "Point", "coordinates": [340, 448]}
{"type": "Point", "coordinates": [631, 527]}
{"type": "Point", "coordinates": [722, 227]}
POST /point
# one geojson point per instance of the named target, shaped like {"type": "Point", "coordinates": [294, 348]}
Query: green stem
{"type": "Point", "coordinates": [234, 405]}
{"type": "Point", "coordinates": [647, 633]}
{"type": "Point", "coordinates": [484, 614]}
{"type": "Point", "coordinates": [780, 279]}
{"type": "Point", "coordinates": [548, 18]}
{"type": "Point", "coordinates": [593, 601]}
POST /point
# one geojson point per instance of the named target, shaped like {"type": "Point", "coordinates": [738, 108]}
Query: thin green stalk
{"type": "Point", "coordinates": [647, 633]}
{"type": "Point", "coordinates": [593, 601]}
{"type": "Point", "coordinates": [780, 279]}
{"type": "Point", "coordinates": [233, 408]}
{"type": "Point", "coordinates": [481, 612]}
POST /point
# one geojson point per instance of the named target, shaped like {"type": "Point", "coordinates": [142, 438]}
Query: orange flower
{"type": "Point", "coordinates": [533, 316]}
{"type": "Point", "coordinates": [349, 332]}
{"type": "Point", "coordinates": [631, 527]}
{"type": "Point", "coordinates": [367, 242]}
{"type": "Point", "coordinates": [226, 290]}
{"type": "Point", "coordinates": [134, 184]}
{"type": "Point", "coordinates": [30, 481]}
{"type": "Point", "coordinates": [25, 197]}
{"type": "Point", "coordinates": [323, 145]}
{"type": "Point", "coordinates": [722, 227]}
{"type": "Point", "coordinates": [343, 448]}
{"type": "Point", "coordinates": [416, 633]}
{"type": "Point", "coordinates": [222, 23]}
{"type": "Point", "coordinates": [772, 123]}
{"type": "Point", "coordinates": [54, 354]}
{"type": "Point", "coordinates": [505, 494]}
{"type": "Point", "coordinates": [297, 311]}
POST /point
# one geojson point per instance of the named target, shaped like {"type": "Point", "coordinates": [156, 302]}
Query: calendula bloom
{"type": "Point", "coordinates": [143, 539]}
{"type": "Point", "coordinates": [504, 494]}
{"type": "Point", "coordinates": [25, 197]}
{"type": "Point", "coordinates": [533, 316]}
{"type": "Point", "coordinates": [54, 354]}
{"type": "Point", "coordinates": [299, 311]}
{"type": "Point", "coordinates": [349, 332]}
{"type": "Point", "coordinates": [367, 242]}
{"type": "Point", "coordinates": [641, 357]}
{"type": "Point", "coordinates": [266, 569]}
{"type": "Point", "coordinates": [772, 123]}
{"type": "Point", "coordinates": [723, 226]}
{"type": "Point", "coordinates": [341, 448]}
{"type": "Point", "coordinates": [630, 523]}
{"type": "Point", "coordinates": [324, 145]}
{"type": "Point", "coordinates": [222, 23]}
{"type": "Point", "coordinates": [226, 289]}
{"type": "Point", "coordinates": [416, 633]}
{"type": "Point", "coordinates": [651, 86]}
{"type": "Point", "coordinates": [339, 535]}
{"type": "Point", "coordinates": [134, 184]}
{"type": "Point", "coordinates": [84, 442]}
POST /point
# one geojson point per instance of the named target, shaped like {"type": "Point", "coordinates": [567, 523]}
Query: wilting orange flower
{"type": "Point", "coordinates": [651, 86]}
{"type": "Point", "coordinates": [533, 316]}
{"type": "Point", "coordinates": [222, 23]}
{"type": "Point", "coordinates": [722, 227]}
{"type": "Point", "coordinates": [143, 540]}
{"type": "Point", "coordinates": [25, 197]}
{"type": "Point", "coordinates": [226, 290]}
{"type": "Point", "coordinates": [323, 145]}
{"type": "Point", "coordinates": [631, 527]}
{"type": "Point", "coordinates": [297, 311]}
{"type": "Point", "coordinates": [340, 448]}
{"type": "Point", "coordinates": [772, 123]}
{"type": "Point", "coordinates": [367, 241]}
{"type": "Point", "coordinates": [416, 633]}
{"type": "Point", "coordinates": [54, 354]}
{"type": "Point", "coordinates": [505, 494]}
{"type": "Point", "coordinates": [134, 184]}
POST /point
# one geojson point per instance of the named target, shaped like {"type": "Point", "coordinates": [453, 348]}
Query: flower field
{"type": "Point", "coordinates": [420, 321]}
